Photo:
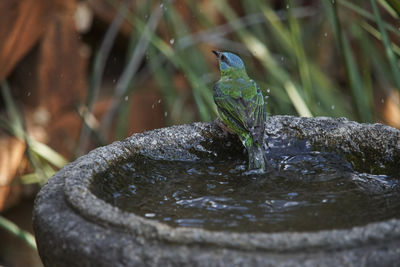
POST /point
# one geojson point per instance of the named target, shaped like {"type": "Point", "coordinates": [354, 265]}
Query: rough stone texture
{"type": "Point", "coordinates": [74, 228]}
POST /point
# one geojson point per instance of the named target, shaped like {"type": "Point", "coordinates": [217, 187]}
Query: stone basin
{"type": "Point", "coordinates": [73, 227]}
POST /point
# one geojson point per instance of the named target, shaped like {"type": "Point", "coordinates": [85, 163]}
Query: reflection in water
{"type": "Point", "coordinates": [302, 190]}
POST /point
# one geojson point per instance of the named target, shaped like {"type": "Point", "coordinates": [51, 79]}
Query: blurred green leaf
{"type": "Point", "coordinates": [388, 46]}
{"type": "Point", "coordinates": [297, 100]}
{"type": "Point", "coordinates": [366, 14]}
{"type": "Point", "coordinates": [11, 227]}
{"type": "Point", "coordinates": [47, 153]}
{"type": "Point", "coordinates": [289, 51]}
{"type": "Point", "coordinates": [394, 5]}
{"type": "Point", "coordinates": [352, 70]}
{"type": "Point", "coordinates": [36, 151]}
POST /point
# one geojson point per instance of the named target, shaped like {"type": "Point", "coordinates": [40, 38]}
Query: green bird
{"type": "Point", "coordinates": [240, 104]}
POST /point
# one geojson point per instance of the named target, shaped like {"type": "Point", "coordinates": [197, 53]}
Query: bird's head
{"type": "Point", "coordinates": [229, 62]}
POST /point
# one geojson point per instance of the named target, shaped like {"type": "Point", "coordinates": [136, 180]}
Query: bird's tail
{"type": "Point", "coordinates": [256, 158]}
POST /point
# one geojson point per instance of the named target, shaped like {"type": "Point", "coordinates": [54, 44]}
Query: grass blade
{"type": "Point", "coordinates": [97, 74]}
{"type": "Point", "coordinates": [47, 153]}
{"type": "Point", "coordinates": [395, 4]}
{"type": "Point", "coordinates": [39, 154]}
{"type": "Point", "coordinates": [387, 44]}
{"type": "Point", "coordinates": [297, 100]}
{"type": "Point", "coordinates": [122, 87]}
{"type": "Point", "coordinates": [364, 13]}
{"type": "Point", "coordinates": [12, 228]}
{"type": "Point", "coordinates": [352, 71]}
{"type": "Point", "coordinates": [374, 32]}
{"type": "Point", "coordinates": [302, 62]}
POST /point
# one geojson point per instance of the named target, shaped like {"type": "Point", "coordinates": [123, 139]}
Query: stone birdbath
{"type": "Point", "coordinates": [79, 219]}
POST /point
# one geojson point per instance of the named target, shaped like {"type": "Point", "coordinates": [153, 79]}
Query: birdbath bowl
{"type": "Point", "coordinates": [125, 205]}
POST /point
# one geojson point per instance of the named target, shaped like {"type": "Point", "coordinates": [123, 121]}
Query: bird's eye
{"type": "Point", "coordinates": [224, 58]}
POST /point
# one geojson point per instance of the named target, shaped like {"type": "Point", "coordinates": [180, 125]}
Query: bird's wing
{"type": "Point", "coordinates": [257, 115]}
{"type": "Point", "coordinates": [244, 113]}
{"type": "Point", "coordinates": [231, 109]}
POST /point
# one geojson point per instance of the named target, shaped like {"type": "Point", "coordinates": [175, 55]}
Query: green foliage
{"type": "Point", "coordinates": [42, 158]}
{"type": "Point", "coordinates": [298, 54]}
{"type": "Point", "coordinates": [11, 227]}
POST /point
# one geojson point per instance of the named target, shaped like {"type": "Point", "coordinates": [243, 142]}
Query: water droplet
{"type": "Point", "coordinates": [149, 215]}
{"type": "Point", "coordinates": [268, 90]}
{"type": "Point", "coordinates": [172, 41]}
{"type": "Point", "coordinates": [152, 106]}
{"type": "Point", "coordinates": [290, 204]}
{"type": "Point", "coordinates": [333, 107]}
{"type": "Point", "coordinates": [159, 101]}
{"type": "Point", "coordinates": [287, 6]}
{"type": "Point", "coordinates": [162, 6]}
{"type": "Point", "coordinates": [126, 98]}
{"type": "Point", "coordinates": [165, 114]}
{"type": "Point", "coordinates": [326, 34]}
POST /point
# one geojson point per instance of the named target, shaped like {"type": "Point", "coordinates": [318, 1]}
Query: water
{"type": "Point", "coordinates": [303, 190]}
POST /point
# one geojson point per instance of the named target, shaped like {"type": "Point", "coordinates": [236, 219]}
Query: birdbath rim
{"type": "Point", "coordinates": [187, 142]}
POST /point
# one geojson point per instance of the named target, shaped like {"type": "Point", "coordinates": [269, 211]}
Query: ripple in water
{"type": "Point", "coordinates": [303, 190]}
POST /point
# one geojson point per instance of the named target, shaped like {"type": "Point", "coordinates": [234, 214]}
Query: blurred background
{"type": "Point", "coordinates": [76, 75]}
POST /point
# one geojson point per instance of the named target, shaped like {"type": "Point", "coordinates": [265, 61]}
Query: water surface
{"type": "Point", "coordinates": [303, 190]}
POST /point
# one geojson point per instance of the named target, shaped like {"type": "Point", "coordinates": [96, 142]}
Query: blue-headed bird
{"type": "Point", "coordinates": [241, 108]}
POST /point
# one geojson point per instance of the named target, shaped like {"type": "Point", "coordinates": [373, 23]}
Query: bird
{"type": "Point", "coordinates": [241, 107]}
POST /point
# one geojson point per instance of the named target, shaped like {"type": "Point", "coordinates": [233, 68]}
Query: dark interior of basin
{"type": "Point", "coordinates": [302, 190]}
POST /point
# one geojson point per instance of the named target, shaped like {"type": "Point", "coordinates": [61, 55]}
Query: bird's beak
{"type": "Point", "coordinates": [216, 53]}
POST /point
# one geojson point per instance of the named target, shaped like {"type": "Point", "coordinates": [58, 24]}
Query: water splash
{"type": "Point", "coordinates": [302, 190]}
